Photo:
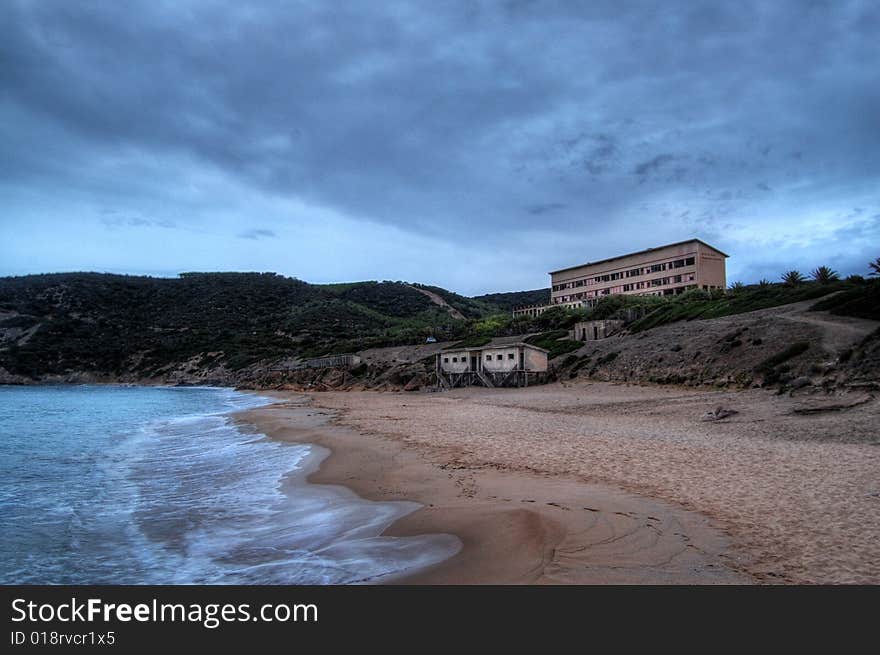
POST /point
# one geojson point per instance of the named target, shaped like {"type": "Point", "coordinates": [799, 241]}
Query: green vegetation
{"type": "Point", "coordinates": [793, 278]}
{"type": "Point", "coordinates": [824, 275]}
{"type": "Point", "coordinates": [862, 301]}
{"type": "Point", "coordinates": [698, 304]}
{"type": "Point", "coordinates": [474, 341]}
{"type": "Point", "coordinates": [141, 325]}
{"type": "Point", "coordinates": [556, 341]}
{"type": "Point", "coordinates": [507, 301]}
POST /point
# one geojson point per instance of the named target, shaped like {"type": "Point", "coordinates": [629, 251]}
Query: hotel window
{"type": "Point", "coordinates": [488, 358]}
{"type": "Point", "coordinates": [445, 360]}
{"type": "Point", "coordinates": [677, 278]}
{"type": "Point", "coordinates": [510, 356]}
{"type": "Point", "coordinates": [689, 261]}
{"type": "Point", "coordinates": [657, 267]}
{"type": "Point", "coordinates": [499, 357]}
{"type": "Point", "coordinates": [455, 359]}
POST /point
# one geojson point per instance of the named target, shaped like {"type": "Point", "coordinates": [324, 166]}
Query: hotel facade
{"type": "Point", "coordinates": [663, 271]}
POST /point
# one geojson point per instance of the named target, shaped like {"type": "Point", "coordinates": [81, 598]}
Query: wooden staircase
{"type": "Point", "coordinates": [485, 379]}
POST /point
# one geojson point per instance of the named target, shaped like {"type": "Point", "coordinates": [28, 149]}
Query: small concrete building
{"type": "Point", "coordinates": [595, 330]}
{"type": "Point", "coordinates": [501, 362]}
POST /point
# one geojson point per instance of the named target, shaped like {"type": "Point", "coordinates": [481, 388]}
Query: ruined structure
{"type": "Point", "coordinates": [501, 362]}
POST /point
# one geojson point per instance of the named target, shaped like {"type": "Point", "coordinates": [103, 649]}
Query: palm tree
{"type": "Point", "coordinates": [824, 275]}
{"type": "Point", "coordinates": [737, 286]}
{"type": "Point", "coordinates": [875, 267]}
{"type": "Point", "coordinates": [763, 282]}
{"type": "Point", "coordinates": [792, 278]}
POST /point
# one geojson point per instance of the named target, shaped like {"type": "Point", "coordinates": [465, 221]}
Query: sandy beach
{"type": "Point", "coordinates": [516, 526]}
{"type": "Point", "coordinates": [603, 483]}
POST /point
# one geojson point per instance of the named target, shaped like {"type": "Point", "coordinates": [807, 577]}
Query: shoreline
{"type": "Point", "coordinates": [516, 527]}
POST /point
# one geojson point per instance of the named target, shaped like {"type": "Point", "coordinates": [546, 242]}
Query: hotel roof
{"type": "Point", "coordinates": [640, 252]}
{"type": "Point", "coordinates": [498, 342]}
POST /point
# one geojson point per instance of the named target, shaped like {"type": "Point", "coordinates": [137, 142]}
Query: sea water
{"type": "Point", "coordinates": [158, 485]}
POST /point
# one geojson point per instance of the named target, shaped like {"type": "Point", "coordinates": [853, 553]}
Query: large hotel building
{"type": "Point", "coordinates": [663, 271]}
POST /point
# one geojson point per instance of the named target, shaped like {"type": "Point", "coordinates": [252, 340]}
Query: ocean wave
{"type": "Point", "coordinates": [163, 486]}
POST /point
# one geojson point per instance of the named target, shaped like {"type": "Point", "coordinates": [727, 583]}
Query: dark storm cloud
{"type": "Point", "coordinates": [258, 234]}
{"type": "Point", "coordinates": [544, 208]}
{"type": "Point", "coordinates": [452, 118]}
{"type": "Point", "coordinates": [112, 219]}
{"type": "Point", "coordinates": [653, 165]}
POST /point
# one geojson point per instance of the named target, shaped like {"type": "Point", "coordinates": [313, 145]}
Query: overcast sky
{"type": "Point", "coordinates": [472, 145]}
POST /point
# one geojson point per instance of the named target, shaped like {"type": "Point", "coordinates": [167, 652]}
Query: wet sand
{"type": "Point", "coordinates": [517, 525]}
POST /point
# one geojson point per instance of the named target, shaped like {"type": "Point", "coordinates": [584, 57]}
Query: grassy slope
{"type": "Point", "coordinates": [862, 301]}
{"type": "Point", "coordinates": [701, 305]}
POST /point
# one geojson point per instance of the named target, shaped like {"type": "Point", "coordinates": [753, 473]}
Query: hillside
{"type": "Point", "coordinates": [235, 328]}
{"type": "Point", "coordinates": [142, 327]}
{"type": "Point", "coordinates": [507, 301]}
{"type": "Point", "coordinates": [777, 337]}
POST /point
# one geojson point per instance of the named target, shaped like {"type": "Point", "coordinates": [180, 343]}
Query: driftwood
{"type": "Point", "coordinates": [832, 407]}
{"type": "Point", "coordinates": [718, 414]}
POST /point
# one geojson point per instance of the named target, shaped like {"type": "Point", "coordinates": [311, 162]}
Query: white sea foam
{"type": "Point", "coordinates": [176, 492]}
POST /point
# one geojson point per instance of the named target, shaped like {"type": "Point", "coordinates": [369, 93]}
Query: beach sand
{"type": "Point", "coordinates": [604, 483]}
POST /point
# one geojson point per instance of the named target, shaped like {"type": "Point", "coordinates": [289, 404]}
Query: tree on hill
{"type": "Point", "coordinates": [874, 266]}
{"type": "Point", "coordinates": [824, 275]}
{"type": "Point", "coordinates": [792, 278]}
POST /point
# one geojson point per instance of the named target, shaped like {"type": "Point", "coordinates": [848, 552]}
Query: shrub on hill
{"type": "Point", "coordinates": [698, 304]}
{"type": "Point", "coordinates": [556, 341]}
{"type": "Point", "coordinates": [862, 301]}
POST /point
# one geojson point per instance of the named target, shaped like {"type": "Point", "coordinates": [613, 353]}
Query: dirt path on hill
{"type": "Point", "coordinates": [838, 332]}
{"type": "Point", "coordinates": [437, 300]}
